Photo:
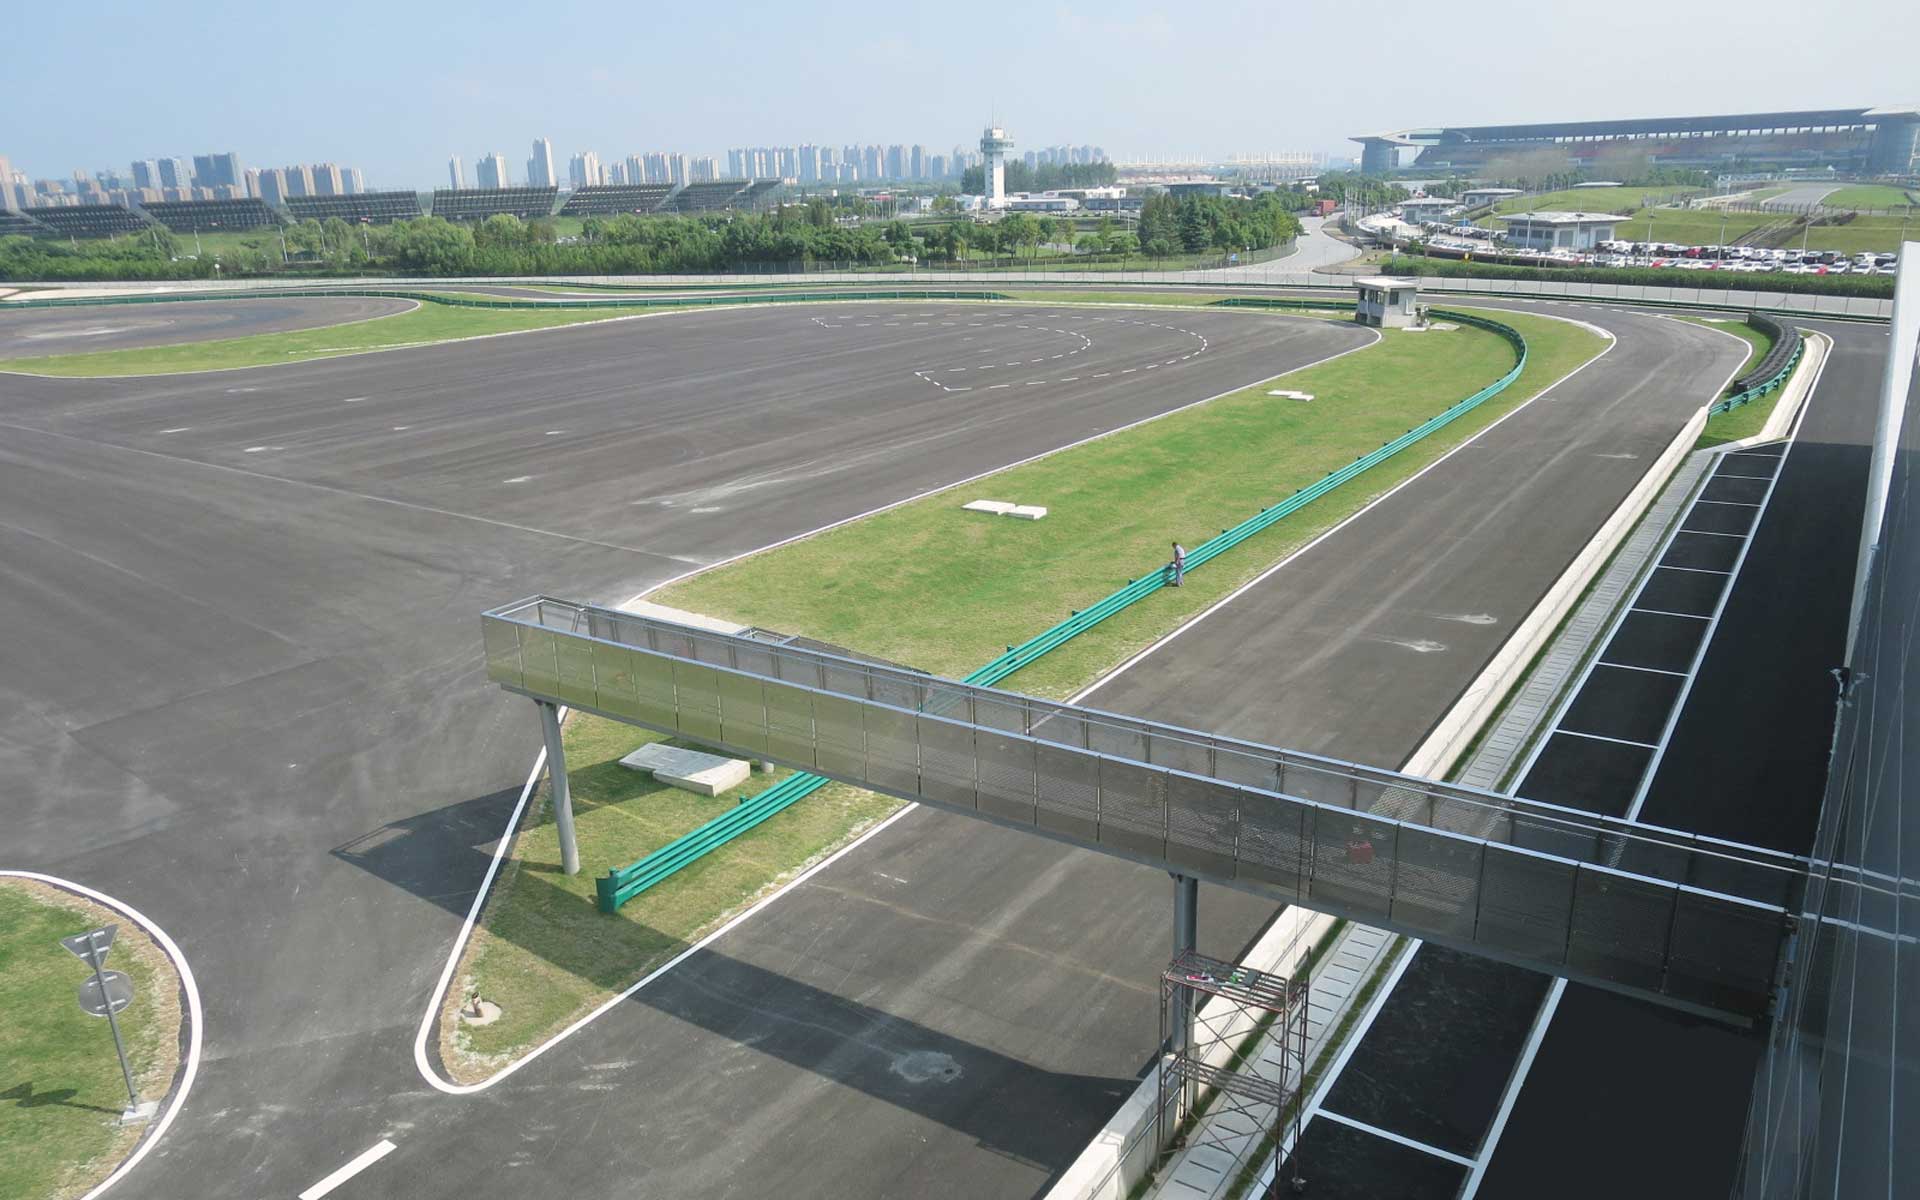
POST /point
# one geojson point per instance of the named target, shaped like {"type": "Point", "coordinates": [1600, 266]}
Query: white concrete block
{"type": "Point", "coordinates": [680, 616]}
{"type": "Point", "coordinates": [996, 507]}
{"type": "Point", "coordinates": [1290, 394]}
{"type": "Point", "coordinates": [689, 770]}
{"type": "Point", "coordinates": [1026, 512]}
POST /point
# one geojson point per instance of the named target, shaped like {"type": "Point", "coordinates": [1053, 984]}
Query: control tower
{"type": "Point", "coordinates": [994, 144]}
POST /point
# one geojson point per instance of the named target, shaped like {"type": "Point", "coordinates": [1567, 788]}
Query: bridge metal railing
{"type": "Point", "coordinates": [1685, 920]}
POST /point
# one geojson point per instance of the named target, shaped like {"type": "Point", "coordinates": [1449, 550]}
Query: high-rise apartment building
{"type": "Point", "coordinates": [213, 170]}
{"type": "Point", "coordinates": [490, 171]}
{"type": "Point", "coordinates": [9, 201]}
{"type": "Point", "coordinates": [456, 179]}
{"type": "Point", "coordinates": [917, 163]}
{"type": "Point", "coordinates": [327, 180]}
{"type": "Point", "coordinates": [271, 186]}
{"type": "Point", "coordinates": [703, 169]}
{"type": "Point", "coordinates": [583, 170]}
{"type": "Point", "coordinates": [174, 174]}
{"type": "Point", "coordinates": [146, 173]}
{"type": "Point", "coordinates": [540, 166]}
{"type": "Point", "coordinates": [299, 180]}
{"type": "Point", "coordinates": [354, 180]}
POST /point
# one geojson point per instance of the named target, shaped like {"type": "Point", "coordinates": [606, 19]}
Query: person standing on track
{"type": "Point", "coordinates": [1179, 564]}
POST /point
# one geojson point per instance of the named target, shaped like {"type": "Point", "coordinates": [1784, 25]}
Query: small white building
{"type": "Point", "coordinates": [1474, 197]}
{"type": "Point", "coordinates": [1386, 302]}
{"type": "Point", "coordinates": [1424, 208]}
{"type": "Point", "coordinates": [1045, 202]}
{"type": "Point", "coordinates": [1549, 231]}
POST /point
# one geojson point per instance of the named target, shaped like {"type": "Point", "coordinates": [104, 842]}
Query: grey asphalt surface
{"type": "Point", "coordinates": [250, 703]}
{"type": "Point", "coordinates": [1028, 969]}
{"type": "Point", "coordinates": [26, 333]}
{"type": "Point", "coordinates": [1803, 196]}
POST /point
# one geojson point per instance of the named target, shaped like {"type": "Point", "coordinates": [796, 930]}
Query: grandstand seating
{"type": "Point", "coordinates": [477, 204]}
{"type": "Point", "coordinates": [374, 208]}
{"type": "Point", "coordinates": [185, 216]}
{"type": "Point", "coordinates": [756, 193]}
{"type": "Point", "coordinates": [89, 220]}
{"type": "Point", "coordinates": [710, 196]}
{"type": "Point", "coordinates": [13, 224]}
{"type": "Point", "coordinates": [615, 198]}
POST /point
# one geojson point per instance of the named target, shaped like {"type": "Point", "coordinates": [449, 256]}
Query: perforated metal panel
{"type": "Point", "coordinates": [1522, 883]}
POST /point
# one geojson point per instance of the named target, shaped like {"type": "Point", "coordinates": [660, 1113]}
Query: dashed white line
{"type": "Point", "coordinates": [361, 1162]}
{"type": "Point", "coordinates": [177, 429]}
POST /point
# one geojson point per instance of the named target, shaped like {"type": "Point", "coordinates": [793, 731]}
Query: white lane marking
{"type": "Point", "coordinates": [994, 387]}
{"type": "Point", "coordinates": [258, 449]}
{"type": "Point", "coordinates": [554, 432]}
{"type": "Point", "coordinates": [1519, 1078]}
{"type": "Point", "coordinates": [177, 429]}
{"type": "Point", "coordinates": [1397, 1138]}
{"type": "Point", "coordinates": [1694, 570]}
{"type": "Point", "coordinates": [361, 1162]}
{"type": "Point", "coordinates": [517, 479]}
{"type": "Point", "coordinates": [1601, 737]}
{"type": "Point", "coordinates": [195, 1021]}
{"type": "Point", "coordinates": [1661, 612]}
{"type": "Point", "coordinates": [1620, 666]}
{"type": "Point", "coordinates": [352, 399]}
{"type": "Point", "coordinates": [401, 428]}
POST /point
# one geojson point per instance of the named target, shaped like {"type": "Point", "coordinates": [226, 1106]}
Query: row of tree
{"type": "Point", "coordinates": [632, 244]}
{"type": "Point", "coordinates": [1044, 177]}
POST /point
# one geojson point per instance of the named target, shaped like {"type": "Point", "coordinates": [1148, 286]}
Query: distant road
{"type": "Point", "coordinates": [1801, 197]}
{"type": "Point", "coordinates": [1315, 249]}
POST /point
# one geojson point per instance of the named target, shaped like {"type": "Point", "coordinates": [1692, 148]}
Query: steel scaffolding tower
{"type": "Point", "coordinates": [1215, 1094]}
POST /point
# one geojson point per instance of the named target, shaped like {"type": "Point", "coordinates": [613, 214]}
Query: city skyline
{"type": "Point", "coordinates": [1096, 76]}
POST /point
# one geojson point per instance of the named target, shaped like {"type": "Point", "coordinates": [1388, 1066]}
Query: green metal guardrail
{"type": "Point", "coordinates": [1777, 379]}
{"type": "Point", "coordinates": [622, 884]}
{"type": "Point", "coordinates": [509, 301]}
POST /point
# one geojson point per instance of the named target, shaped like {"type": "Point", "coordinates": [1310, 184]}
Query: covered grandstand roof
{"type": "Point", "coordinates": [13, 224]}
{"type": "Point", "coordinates": [615, 198]}
{"type": "Point", "coordinates": [1734, 123]}
{"type": "Point", "coordinates": [375, 208]}
{"type": "Point", "coordinates": [477, 204]}
{"type": "Point", "coordinates": [185, 216]}
{"type": "Point", "coordinates": [89, 220]}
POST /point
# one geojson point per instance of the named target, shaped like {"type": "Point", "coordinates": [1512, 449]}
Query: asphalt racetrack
{"type": "Point", "coordinates": [32, 332]}
{"type": "Point", "coordinates": [246, 694]}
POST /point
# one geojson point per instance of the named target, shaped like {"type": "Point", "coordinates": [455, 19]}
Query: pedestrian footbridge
{"type": "Point", "coordinates": [1676, 918]}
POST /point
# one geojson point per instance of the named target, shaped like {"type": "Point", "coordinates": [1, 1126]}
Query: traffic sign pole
{"type": "Point", "coordinates": [126, 1072]}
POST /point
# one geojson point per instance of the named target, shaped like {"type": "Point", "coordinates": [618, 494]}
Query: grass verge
{"type": "Point", "coordinates": [424, 325]}
{"type": "Point", "coordinates": [62, 1093]}
{"type": "Point", "coordinates": [546, 955]}
{"type": "Point", "coordinates": [1166, 299]}
{"type": "Point", "coordinates": [943, 589]}
{"type": "Point", "coordinates": [1750, 418]}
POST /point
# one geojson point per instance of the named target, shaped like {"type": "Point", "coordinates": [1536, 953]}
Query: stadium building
{"type": "Point", "coordinates": [1863, 141]}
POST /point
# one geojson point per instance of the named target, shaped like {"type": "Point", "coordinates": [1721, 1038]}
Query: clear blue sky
{"type": "Point", "coordinates": [396, 87]}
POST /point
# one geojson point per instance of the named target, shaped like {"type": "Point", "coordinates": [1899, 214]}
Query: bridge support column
{"type": "Point", "coordinates": [1186, 936]}
{"type": "Point", "coordinates": [557, 781]}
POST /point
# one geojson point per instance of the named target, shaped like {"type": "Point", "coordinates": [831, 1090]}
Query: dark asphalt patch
{"type": "Point", "coordinates": [1702, 552]}
{"type": "Point", "coordinates": [1340, 1162]}
{"type": "Point", "coordinates": [1736, 489]}
{"type": "Point", "coordinates": [1436, 1058]}
{"type": "Point", "coordinates": [1720, 518]}
{"type": "Point", "coordinates": [1585, 773]}
{"type": "Point", "coordinates": [1656, 640]}
{"type": "Point", "coordinates": [1682, 592]}
{"type": "Point", "coordinates": [1620, 703]}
